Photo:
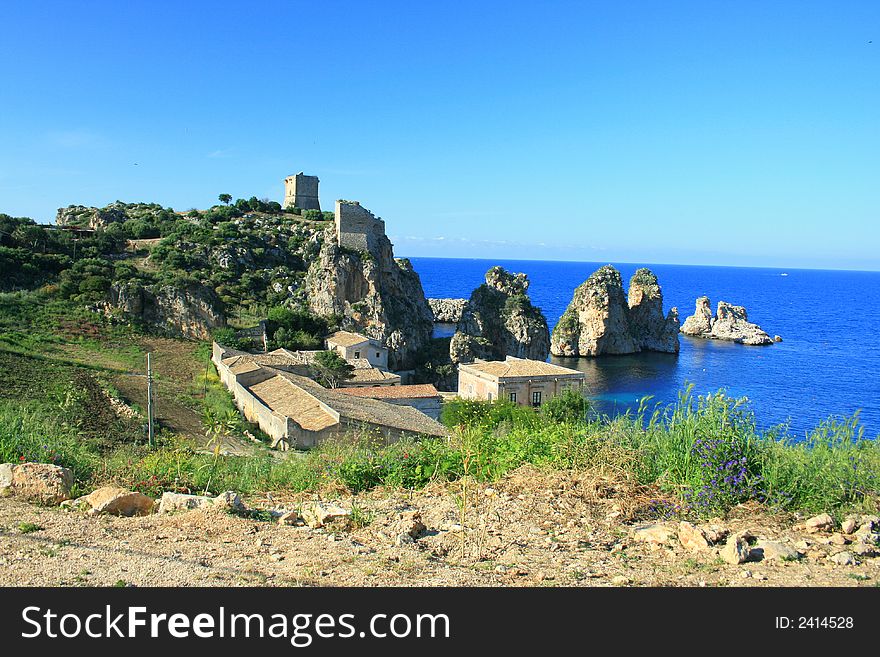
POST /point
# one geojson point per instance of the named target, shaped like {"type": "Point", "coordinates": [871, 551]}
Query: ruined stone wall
{"type": "Point", "coordinates": [357, 228]}
{"type": "Point", "coordinates": [301, 191]}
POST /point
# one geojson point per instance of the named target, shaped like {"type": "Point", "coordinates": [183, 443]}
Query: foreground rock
{"type": "Point", "coordinates": [39, 482]}
{"type": "Point", "coordinates": [319, 514]}
{"type": "Point", "coordinates": [117, 501]}
{"type": "Point", "coordinates": [736, 551]}
{"type": "Point", "coordinates": [499, 320]}
{"type": "Point", "coordinates": [172, 502]}
{"type": "Point", "coordinates": [6, 479]}
{"type": "Point", "coordinates": [447, 311]}
{"type": "Point", "coordinates": [601, 320]}
{"type": "Point", "coordinates": [729, 323]}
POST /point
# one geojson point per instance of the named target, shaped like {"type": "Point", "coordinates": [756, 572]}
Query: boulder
{"type": "Point", "coordinates": [774, 551]}
{"type": "Point", "coordinates": [849, 525]}
{"type": "Point", "coordinates": [844, 559]}
{"type": "Point", "coordinates": [172, 502]}
{"type": "Point", "coordinates": [42, 482]}
{"type": "Point", "coordinates": [653, 533]}
{"type": "Point", "coordinates": [319, 514]}
{"type": "Point", "coordinates": [729, 323]}
{"type": "Point", "coordinates": [691, 537]}
{"type": "Point", "coordinates": [820, 523]}
{"type": "Point", "coordinates": [117, 501]}
{"type": "Point", "coordinates": [6, 479]}
{"type": "Point", "coordinates": [289, 518]}
{"type": "Point", "coordinates": [228, 501]}
{"type": "Point", "coordinates": [601, 319]}
{"type": "Point", "coordinates": [736, 550]}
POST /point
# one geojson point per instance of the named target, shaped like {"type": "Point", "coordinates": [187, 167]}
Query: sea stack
{"type": "Point", "coordinates": [601, 320]}
{"type": "Point", "coordinates": [729, 323]}
{"type": "Point", "coordinates": [499, 320]}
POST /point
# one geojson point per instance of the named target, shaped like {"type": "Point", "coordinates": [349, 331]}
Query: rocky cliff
{"type": "Point", "coordinates": [447, 311]}
{"type": "Point", "coordinates": [601, 320]}
{"type": "Point", "coordinates": [729, 323]}
{"type": "Point", "coordinates": [192, 311]}
{"type": "Point", "coordinates": [499, 320]}
{"type": "Point", "coordinates": [373, 293]}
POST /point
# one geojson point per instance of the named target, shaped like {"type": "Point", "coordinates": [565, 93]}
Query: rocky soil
{"type": "Point", "coordinates": [533, 528]}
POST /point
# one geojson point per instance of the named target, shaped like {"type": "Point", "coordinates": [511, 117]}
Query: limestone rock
{"type": "Point", "coordinates": [729, 323]}
{"type": "Point", "coordinates": [192, 311]}
{"type": "Point", "coordinates": [117, 501]}
{"type": "Point", "coordinates": [42, 482]}
{"type": "Point", "coordinates": [172, 502]}
{"type": "Point", "coordinates": [499, 320]}
{"type": "Point", "coordinates": [691, 537]}
{"type": "Point", "coordinates": [820, 523]}
{"type": "Point", "coordinates": [374, 294]}
{"type": "Point", "coordinates": [290, 518]}
{"type": "Point", "coordinates": [849, 525]}
{"type": "Point", "coordinates": [649, 327]}
{"type": "Point", "coordinates": [774, 551]}
{"type": "Point", "coordinates": [844, 559]}
{"type": "Point", "coordinates": [601, 320]}
{"type": "Point", "coordinates": [6, 479]}
{"type": "Point", "coordinates": [653, 533]}
{"type": "Point", "coordinates": [318, 514]}
{"type": "Point", "coordinates": [228, 501]}
{"type": "Point", "coordinates": [736, 550]}
{"type": "Point", "coordinates": [447, 311]}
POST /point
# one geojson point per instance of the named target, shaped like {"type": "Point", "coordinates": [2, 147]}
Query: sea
{"type": "Point", "coordinates": [826, 367]}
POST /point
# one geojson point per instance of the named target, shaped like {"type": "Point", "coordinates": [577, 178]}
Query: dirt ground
{"type": "Point", "coordinates": [530, 529]}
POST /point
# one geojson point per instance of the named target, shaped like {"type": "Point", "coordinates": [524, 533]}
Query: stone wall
{"type": "Point", "coordinates": [357, 228]}
{"type": "Point", "coordinates": [301, 191]}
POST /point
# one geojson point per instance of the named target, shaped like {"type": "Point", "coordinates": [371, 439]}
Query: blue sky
{"type": "Point", "coordinates": [702, 132]}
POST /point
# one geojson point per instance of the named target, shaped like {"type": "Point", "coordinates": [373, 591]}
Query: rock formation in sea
{"type": "Point", "coordinates": [499, 320]}
{"type": "Point", "coordinates": [447, 311]}
{"type": "Point", "coordinates": [373, 293]}
{"type": "Point", "coordinates": [729, 323]}
{"type": "Point", "coordinates": [601, 320]}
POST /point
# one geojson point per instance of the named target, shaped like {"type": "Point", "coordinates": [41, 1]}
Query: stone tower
{"type": "Point", "coordinates": [301, 191]}
{"type": "Point", "coordinates": [357, 228]}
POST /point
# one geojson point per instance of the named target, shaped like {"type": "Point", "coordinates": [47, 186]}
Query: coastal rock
{"type": "Point", "coordinates": [601, 319]}
{"type": "Point", "coordinates": [651, 330]}
{"type": "Point", "coordinates": [729, 323]}
{"type": "Point", "coordinates": [42, 482]}
{"type": "Point", "coordinates": [447, 311]}
{"type": "Point", "coordinates": [499, 320]}
{"type": "Point", "coordinates": [374, 294]}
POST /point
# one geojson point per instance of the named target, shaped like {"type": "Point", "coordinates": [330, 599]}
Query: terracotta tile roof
{"type": "Point", "coordinates": [346, 338]}
{"type": "Point", "coordinates": [371, 375]}
{"type": "Point", "coordinates": [518, 367]}
{"type": "Point", "coordinates": [425, 390]}
{"type": "Point", "coordinates": [371, 411]}
{"type": "Point", "coordinates": [242, 366]}
{"type": "Point", "coordinates": [285, 398]}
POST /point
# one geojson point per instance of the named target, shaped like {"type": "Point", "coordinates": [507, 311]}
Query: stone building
{"type": "Point", "coordinates": [296, 412]}
{"type": "Point", "coordinates": [354, 346]}
{"type": "Point", "coordinates": [301, 191]}
{"type": "Point", "coordinates": [422, 397]}
{"type": "Point", "coordinates": [357, 228]}
{"type": "Point", "coordinates": [520, 380]}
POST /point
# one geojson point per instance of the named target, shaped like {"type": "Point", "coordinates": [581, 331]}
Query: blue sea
{"type": "Point", "coordinates": [827, 365]}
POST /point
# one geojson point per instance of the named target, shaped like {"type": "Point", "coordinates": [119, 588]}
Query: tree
{"type": "Point", "coordinates": [570, 407]}
{"type": "Point", "coordinates": [225, 198]}
{"type": "Point", "coordinates": [330, 369]}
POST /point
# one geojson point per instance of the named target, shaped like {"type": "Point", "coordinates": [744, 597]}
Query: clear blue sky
{"type": "Point", "coordinates": [742, 133]}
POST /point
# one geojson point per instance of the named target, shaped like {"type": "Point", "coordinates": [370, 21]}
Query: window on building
{"type": "Point", "coordinates": [377, 355]}
{"type": "Point", "coordinates": [536, 398]}
{"type": "Point", "coordinates": [512, 397]}
{"type": "Point", "coordinates": [489, 396]}
{"type": "Point", "coordinates": [357, 354]}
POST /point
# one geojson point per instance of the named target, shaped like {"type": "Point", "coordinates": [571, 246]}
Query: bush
{"type": "Point", "coordinates": [571, 406]}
